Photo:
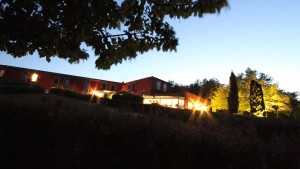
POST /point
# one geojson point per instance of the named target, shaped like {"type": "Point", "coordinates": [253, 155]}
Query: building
{"type": "Point", "coordinates": [49, 80]}
{"type": "Point", "coordinates": [147, 86]}
{"type": "Point", "coordinates": [152, 89]}
{"type": "Point", "coordinates": [182, 100]}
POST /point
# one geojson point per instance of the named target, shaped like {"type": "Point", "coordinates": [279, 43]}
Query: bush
{"type": "Point", "coordinates": [10, 87]}
{"type": "Point", "coordinates": [127, 97]}
{"type": "Point", "coordinates": [72, 94]}
{"type": "Point", "coordinates": [149, 109]}
{"type": "Point", "coordinates": [283, 114]}
{"type": "Point", "coordinates": [63, 92]}
{"type": "Point", "coordinates": [270, 114]}
{"type": "Point", "coordinates": [246, 113]}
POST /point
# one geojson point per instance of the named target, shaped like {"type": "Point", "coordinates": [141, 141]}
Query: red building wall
{"type": "Point", "coordinates": [194, 98]}
{"type": "Point", "coordinates": [97, 85]}
{"type": "Point", "coordinates": [147, 86]}
{"type": "Point", "coordinates": [47, 79]}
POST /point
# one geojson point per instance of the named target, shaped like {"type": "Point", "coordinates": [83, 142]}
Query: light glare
{"type": "Point", "coordinates": [34, 77]}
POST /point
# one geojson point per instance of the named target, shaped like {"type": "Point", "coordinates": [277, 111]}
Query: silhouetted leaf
{"type": "Point", "coordinates": [58, 28]}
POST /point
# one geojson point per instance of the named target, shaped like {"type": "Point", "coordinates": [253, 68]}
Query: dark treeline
{"type": "Point", "coordinates": [204, 88]}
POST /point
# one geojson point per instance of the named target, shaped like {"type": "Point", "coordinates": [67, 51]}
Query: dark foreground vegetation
{"type": "Point", "coordinates": [49, 131]}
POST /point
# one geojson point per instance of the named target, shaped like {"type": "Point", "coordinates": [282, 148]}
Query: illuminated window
{"type": "Point", "coordinates": [55, 81]}
{"type": "Point", "coordinates": [113, 87]}
{"type": "Point", "coordinates": [2, 71]}
{"type": "Point", "coordinates": [103, 86]}
{"type": "Point", "coordinates": [34, 77]}
{"type": "Point", "coordinates": [158, 84]}
{"type": "Point", "coordinates": [165, 87]}
{"type": "Point", "coordinates": [24, 76]}
{"type": "Point", "coordinates": [86, 86]}
{"type": "Point", "coordinates": [66, 82]}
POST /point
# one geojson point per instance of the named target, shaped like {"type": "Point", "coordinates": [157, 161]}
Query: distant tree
{"type": "Point", "coordinates": [275, 100]}
{"type": "Point", "coordinates": [204, 88]}
{"type": "Point", "coordinates": [244, 81]}
{"type": "Point", "coordinates": [195, 87]}
{"type": "Point", "coordinates": [115, 31]}
{"type": "Point", "coordinates": [208, 88]}
{"type": "Point", "coordinates": [256, 98]}
{"type": "Point", "coordinates": [294, 104]}
{"type": "Point", "coordinates": [233, 99]}
{"type": "Point", "coordinates": [175, 87]}
{"type": "Point", "coordinates": [219, 100]}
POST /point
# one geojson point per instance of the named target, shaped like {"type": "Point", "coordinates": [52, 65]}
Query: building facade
{"type": "Point", "coordinates": [152, 89]}
{"type": "Point", "coordinates": [147, 86]}
{"type": "Point", "coordinates": [182, 100]}
{"type": "Point", "coordinates": [50, 80]}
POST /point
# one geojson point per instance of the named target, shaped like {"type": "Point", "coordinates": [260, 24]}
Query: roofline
{"type": "Point", "coordinates": [147, 78]}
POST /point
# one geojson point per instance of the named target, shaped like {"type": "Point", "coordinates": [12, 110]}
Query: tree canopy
{"type": "Point", "coordinates": [219, 100]}
{"type": "Point", "coordinates": [115, 30]}
{"type": "Point", "coordinates": [204, 88]}
{"type": "Point", "coordinates": [275, 100]}
{"type": "Point", "coordinates": [257, 103]}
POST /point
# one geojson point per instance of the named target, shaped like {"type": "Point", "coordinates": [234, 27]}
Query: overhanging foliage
{"type": "Point", "coordinates": [115, 31]}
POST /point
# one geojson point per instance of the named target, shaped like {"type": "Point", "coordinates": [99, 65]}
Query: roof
{"type": "Point", "coordinates": [148, 78]}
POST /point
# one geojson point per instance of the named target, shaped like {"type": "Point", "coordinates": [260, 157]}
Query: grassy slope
{"type": "Point", "coordinates": [46, 131]}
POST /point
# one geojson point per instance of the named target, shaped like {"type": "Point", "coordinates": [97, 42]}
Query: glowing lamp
{"type": "Point", "coordinates": [197, 106]}
{"type": "Point", "coordinates": [94, 92]}
{"type": "Point", "coordinates": [34, 77]}
{"type": "Point", "coordinates": [97, 93]}
{"type": "Point", "coordinates": [203, 108]}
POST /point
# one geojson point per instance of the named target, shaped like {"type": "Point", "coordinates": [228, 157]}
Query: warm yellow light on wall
{"type": "Point", "coordinates": [204, 108]}
{"type": "Point", "coordinates": [197, 106]}
{"type": "Point", "coordinates": [94, 92]}
{"type": "Point", "coordinates": [34, 77]}
{"type": "Point", "coordinates": [98, 93]}
{"type": "Point", "coordinates": [200, 107]}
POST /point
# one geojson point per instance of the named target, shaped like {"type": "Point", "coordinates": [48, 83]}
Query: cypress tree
{"type": "Point", "coordinates": [233, 100]}
{"type": "Point", "coordinates": [256, 97]}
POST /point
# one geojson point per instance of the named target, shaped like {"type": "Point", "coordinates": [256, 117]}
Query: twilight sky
{"type": "Point", "coordinates": [260, 34]}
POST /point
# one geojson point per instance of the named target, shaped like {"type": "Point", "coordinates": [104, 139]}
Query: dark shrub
{"type": "Point", "coordinates": [270, 114]}
{"type": "Point", "coordinates": [63, 92]}
{"type": "Point", "coordinates": [72, 94]}
{"type": "Point", "coordinates": [86, 97]}
{"type": "Point", "coordinates": [283, 115]}
{"type": "Point", "coordinates": [10, 87]}
{"type": "Point", "coordinates": [246, 113]}
{"type": "Point", "coordinates": [222, 111]}
{"type": "Point", "coordinates": [127, 97]}
{"type": "Point", "coordinates": [149, 109]}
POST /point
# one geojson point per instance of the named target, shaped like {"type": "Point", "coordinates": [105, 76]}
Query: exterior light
{"type": "Point", "coordinates": [98, 93]}
{"type": "Point", "coordinates": [200, 107]}
{"type": "Point", "coordinates": [197, 106]}
{"type": "Point", "coordinates": [94, 92]}
{"type": "Point", "coordinates": [34, 77]}
{"type": "Point", "coordinates": [204, 108]}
